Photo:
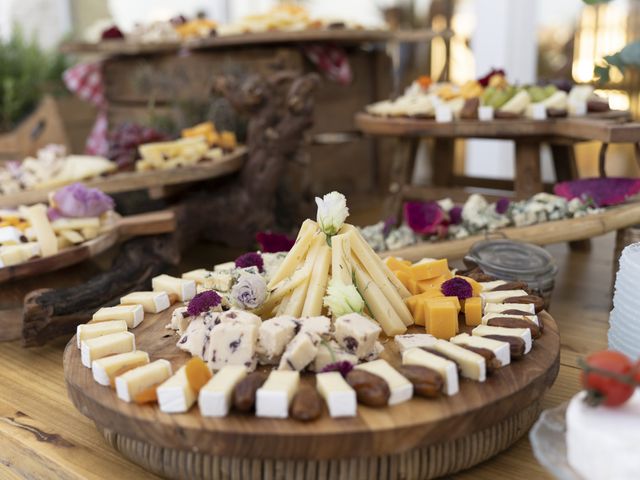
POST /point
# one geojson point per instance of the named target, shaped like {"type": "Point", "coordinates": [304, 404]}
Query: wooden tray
{"type": "Point", "coordinates": [130, 181]}
{"type": "Point", "coordinates": [131, 226]}
{"type": "Point", "coordinates": [556, 231]}
{"type": "Point", "coordinates": [417, 439]}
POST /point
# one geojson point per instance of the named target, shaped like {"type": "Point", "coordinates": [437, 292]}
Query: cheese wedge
{"type": "Point", "coordinates": [274, 397]}
{"type": "Point", "coordinates": [317, 283]}
{"type": "Point", "coordinates": [132, 314]}
{"type": "Point", "coordinates": [183, 288]}
{"type": "Point", "coordinates": [490, 315]}
{"type": "Point", "coordinates": [14, 254]}
{"type": "Point", "coordinates": [524, 333]}
{"type": "Point", "coordinates": [72, 236]}
{"type": "Point", "coordinates": [215, 397]}
{"type": "Point", "coordinates": [341, 261]}
{"type": "Point", "coordinates": [100, 347]}
{"type": "Point", "coordinates": [224, 266]}
{"type": "Point", "coordinates": [299, 294]}
{"type": "Point", "coordinates": [175, 395]}
{"type": "Point", "coordinates": [446, 368]}
{"type": "Point", "coordinates": [414, 340]}
{"type": "Point", "coordinates": [297, 253]}
{"type": "Point", "coordinates": [129, 384]}
{"type": "Point", "coordinates": [337, 393]}
{"type": "Point", "coordinates": [105, 369]}
{"type": "Point", "coordinates": [199, 276]}
{"type": "Point", "coordinates": [500, 349]}
{"type": "Point", "coordinates": [472, 365]}
{"type": "Point", "coordinates": [401, 388]}
{"type": "Point", "coordinates": [152, 302]}
{"type": "Point", "coordinates": [89, 223]}
{"type": "Point", "coordinates": [501, 307]}
{"type": "Point", "coordinates": [37, 216]}
{"type": "Point", "coordinates": [93, 330]}
{"type": "Point", "coordinates": [500, 296]}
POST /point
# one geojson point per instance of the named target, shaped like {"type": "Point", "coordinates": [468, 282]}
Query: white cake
{"type": "Point", "coordinates": [624, 331]}
{"type": "Point", "coordinates": [603, 443]}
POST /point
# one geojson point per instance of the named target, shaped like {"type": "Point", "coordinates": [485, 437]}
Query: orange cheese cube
{"type": "Point", "coordinates": [418, 317]}
{"type": "Point", "coordinates": [425, 270]}
{"type": "Point", "coordinates": [413, 299]}
{"type": "Point", "coordinates": [475, 286]}
{"type": "Point", "coordinates": [439, 301]}
{"type": "Point", "coordinates": [443, 319]}
{"type": "Point", "coordinates": [436, 282]}
{"type": "Point", "coordinates": [395, 263]}
{"type": "Point", "coordinates": [473, 311]}
{"type": "Point", "coordinates": [407, 280]}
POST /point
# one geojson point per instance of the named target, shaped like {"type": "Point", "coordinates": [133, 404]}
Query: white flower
{"type": "Point", "coordinates": [332, 212]}
{"type": "Point", "coordinates": [250, 291]}
{"type": "Point", "coordinates": [342, 299]}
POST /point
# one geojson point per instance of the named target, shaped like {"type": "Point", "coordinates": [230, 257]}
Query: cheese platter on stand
{"type": "Point", "coordinates": [319, 362]}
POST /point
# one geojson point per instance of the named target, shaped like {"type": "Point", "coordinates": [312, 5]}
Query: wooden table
{"type": "Point", "coordinates": [43, 436]}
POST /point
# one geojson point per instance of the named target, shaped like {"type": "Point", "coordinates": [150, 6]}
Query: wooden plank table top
{"type": "Point", "coordinates": [43, 436]}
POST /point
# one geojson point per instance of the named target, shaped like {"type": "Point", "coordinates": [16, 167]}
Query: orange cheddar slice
{"type": "Point", "coordinates": [436, 282]}
{"type": "Point", "coordinates": [475, 286]}
{"type": "Point", "coordinates": [443, 319]}
{"type": "Point", "coordinates": [408, 281]}
{"type": "Point", "coordinates": [395, 263]}
{"type": "Point", "coordinates": [473, 311]}
{"type": "Point", "coordinates": [432, 269]}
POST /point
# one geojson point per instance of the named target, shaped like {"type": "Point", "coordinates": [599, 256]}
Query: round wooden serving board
{"type": "Point", "coordinates": [434, 437]}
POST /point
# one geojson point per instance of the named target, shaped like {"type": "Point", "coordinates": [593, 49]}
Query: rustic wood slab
{"type": "Point", "coordinates": [131, 226]}
{"type": "Point", "coordinates": [131, 181]}
{"type": "Point", "coordinates": [418, 423]}
{"type": "Point", "coordinates": [569, 230]}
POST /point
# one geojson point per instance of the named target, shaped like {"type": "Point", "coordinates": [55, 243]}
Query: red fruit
{"type": "Point", "coordinates": [607, 378]}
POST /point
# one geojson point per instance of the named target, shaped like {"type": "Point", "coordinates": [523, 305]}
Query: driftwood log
{"type": "Point", "coordinates": [280, 111]}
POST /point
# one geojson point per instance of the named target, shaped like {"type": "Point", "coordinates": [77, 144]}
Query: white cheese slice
{"type": "Point", "coordinates": [472, 365]}
{"type": "Point", "coordinates": [357, 334]}
{"type": "Point", "coordinates": [414, 340]}
{"type": "Point", "coordinates": [500, 349]}
{"type": "Point", "coordinates": [401, 388]}
{"type": "Point", "coordinates": [132, 314]}
{"type": "Point", "coordinates": [274, 397]}
{"type": "Point", "coordinates": [500, 296]}
{"type": "Point", "coordinates": [199, 276]}
{"type": "Point", "coordinates": [313, 302]}
{"type": "Point", "coordinates": [215, 397]}
{"type": "Point", "coordinates": [524, 333]}
{"type": "Point", "coordinates": [37, 216]}
{"type": "Point", "coordinates": [488, 316]}
{"type": "Point", "coordinates": [100, 347]}
{"type": "Point", "coordinates": [488, 286]}
{"type": "Point", "coordinates": [183, 288]}
{"type": "Point", "coordinates": [338, 394]}
{"type": "Point", "coordinates": [341, 260]}
{"type": "Point", "coordinates": [61, 224]}
{"type": "Point", "coordinates": [105, 369]}
{"type": "Point", "coordinates": [72, 236]}
{"type": "Point", "coordinates": [14, 254]}
{"type": "Point", "coordinates": [175, 395]}
{"type": "Point", "coordinates": [93, 330]}
{"type": "Point", "coordinates": [300, 352]}
{"type": "Point", "coordinates": [152, 302]}
{"type": "Point", "coordinates": [129, 384]}
{"type": "Point", "coordinates": [446, 368]}
{"type": "Point", "coordinates": [224, 266]}
{"type": "Point", "coordinates": [10, 236]}
{"type": "Point", "coordinates": [501, 307]}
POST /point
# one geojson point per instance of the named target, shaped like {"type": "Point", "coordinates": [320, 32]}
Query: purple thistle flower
{"type": "Point", "coordinates": [502, 205]}
{"type": "Point", "coordinates": [389, 223]}
{"type": "Point", "coordinates": [202, 302]}
{"type": "Point", "coordinates": [274, 242]}
{"type": "Point", "coordinates": [423, 217]}
{"type": "Point", "coordinates": [457, 287]}
{"type": "Point", "coordinates": [250, 259]}
{"type": "Point", "coordinates": [455, 215]}
{"type": "Point", "coordinates": [343, 367]}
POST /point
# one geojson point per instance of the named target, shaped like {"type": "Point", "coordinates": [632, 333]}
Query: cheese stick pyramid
{"type": "Point", "coordinates": [299, 285]}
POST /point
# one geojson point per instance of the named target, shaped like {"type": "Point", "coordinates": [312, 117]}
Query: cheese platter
{"type": "Point", "coordinates": [422, 369]}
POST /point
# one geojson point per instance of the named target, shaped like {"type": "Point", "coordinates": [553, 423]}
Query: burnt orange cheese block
{"type": "Point", "coordinates": [473, 311]}
{"type": "Point", "coordinates": [442, 319]}
{"type": "Point", "coordinates": [431, 269]}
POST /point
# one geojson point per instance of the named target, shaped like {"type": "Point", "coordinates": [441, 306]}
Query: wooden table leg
{"type": "Point", "coordinates": [528, 178]}
{"type": "Point", "coordinates": [442, 162]}
{"type": "Point", "coordinates": [401, 171]}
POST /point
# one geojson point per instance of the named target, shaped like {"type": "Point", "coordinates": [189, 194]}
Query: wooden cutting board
{"type": "Point", "coordinates": [418, 423]}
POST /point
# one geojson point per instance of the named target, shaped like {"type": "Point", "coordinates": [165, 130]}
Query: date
{"type": "Point", "coordinates": [426, 382]}
{"type": "Point", "coordinates": [306, 404]}
{"type": "Point", "coordinates": [490, 359]}
{"type": "Point", "coordinates": [244, 395]}
{"type": "Point", "coordinates": [516, 344]}
{"type": "Point", "coordinates": [538, 302]}
{"type": "Point", "coordinates": [371, 390]}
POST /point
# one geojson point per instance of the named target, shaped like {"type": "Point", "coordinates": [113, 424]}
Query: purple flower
{"type": "Point", "coordinates": [389, 223]}
{"type": "Point", "coordinates": [343, 367]}
{"type": "Point", "coordinates": [603, 191]}
{"type": "Point", "coordinates": [502, 205]}
{"type": "Point", "coordinates": [424, 217]}
{"type": "Point", "coordinates": [202, 302]}
{"type": "Point", "coordinates": [457, 287]}
{"type": "Point", "coordinates": [274, 242]}
{"type": "Point", "coordinates": [76, 200]}
{"type": "Point", "coordinates": [53, 214]}
{"type": "Point", "coordinates": [455, 215]}
{"type": "Point", "coordinates": [250, 259]}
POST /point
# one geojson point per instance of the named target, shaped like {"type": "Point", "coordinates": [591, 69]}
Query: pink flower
{"type": "Point", "coordinates": [602, 191]}
{"type": "Point", "coordinates": [424, 218]}
{"type": "Point", "coordinates": [274, 242]}
{"type": "Point", "coordinates": [76, 200]}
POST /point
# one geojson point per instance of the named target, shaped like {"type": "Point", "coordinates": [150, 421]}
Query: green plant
{"type": "Point", "coordinates": [26, 73]}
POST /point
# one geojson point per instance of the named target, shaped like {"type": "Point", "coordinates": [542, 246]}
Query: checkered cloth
{"type": "Point", "coordinates": [332, 61]}
{"type": "Point", "coordinates": [85, 80]}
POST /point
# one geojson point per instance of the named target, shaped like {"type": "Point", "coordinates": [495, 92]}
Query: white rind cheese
{"type": "Point", "coordinates": [132, 314]}
{"type": "Point", "coordinates": [501, 295]}
{"type": "Point", "coordinates": [414, 340]}
{"type": "Point", "coordinates": [337, 393]}
{"type": "Point", "coordinates": [215, 397]}
{"type": "Point", "coordinates": [100, 347]}
{"type": "Point", "coordinates": [488, 286]}
{"type": "Point", "coordinates": [175, 395]}
{"type": "Point", "coordinates": [152, 302]}
{"type": "Point", "coordinates": [357, 334]}
{"type": "Point", "coordinates": [500, 349]}
{"type": "Point", "coordinates": [472, 365]}
{"type": "Point", "coordinates": [129, 384]}
{"type": "Point", "coordinates": [524, 333]}
{"type": "Point", "coordinates": [488, 316]}
{"type": "Point", "coordinates": [501, 307]}
{"type": "Point", "coordinates": [401, 388]}
{"type": "Point", "coordinates": [14, 254]}
{"type": "Point", "coordinates": [446, 368]}
{"type": "Point", "coordinates": [274, 397]}
{"type": "Point", "coordinates": [105, 369]}
{"type": "Point", "coordinates": [199, 276]}
{"type": "Point", "coordinates": [94, 330]}
{"type": "Point", "coordinates": [183, 288]}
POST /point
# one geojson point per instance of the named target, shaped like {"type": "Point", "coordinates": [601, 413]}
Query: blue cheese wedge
{"type": "Point", "coordinates": [175, 395]}
{"type": "Point", "coordinates": [500, 349]}
{"type": "Point", "coordinates": [195, 339]}
{"type": "Point", "coordinates": [488, 316]}
{"type": "Point", "coordinates": [300, 352]}
{"type": "Point", "coordinates": [232, 343]}
{"type": "Point", "coordinates": [132, 314]}
{"type": "Point", "coordinates": [414, 340]}
{"type": "Point", "coordinates": [401, 388]}
{"type": "Point", "coordinates": [273, 337]}
{"type": "Point", "coordinates": [183, 288]}
{"type": "Point", "coordinates": [93, 330]}
{"type": "Point", "coordinates": [330, 352]}
{"type": "Point", "coordinates": [215, 397]}
{"type": "Point", "coordinates": [199, 276]}
{"type": "Point", "coordinates": [357, 334]}
{"type": "Point", "coordinates": [472, 365]}
{"type": "Point", "coordinates": [105, 369]}
{"type": "Point", "coordinates": [129, 384]}
{"type": "Point", "coordinates": [219, 280]}
{"type": "Point", "coordinates": [152, 302]}
{"type": "Point", "coordinates": [446, 368]}
{"type": "Point", "coordinates": [339, 396]}
{"type": "Point", "coordinates": [524, 333]}
{"type": "Point", "coordinates": [274, 397]}
{"type": "Point", "coordinates": [502, 307]}
{"type": "Point", "coordinates": [500, 296]}
{"type": "Point", "coordinates": [100, 347]}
